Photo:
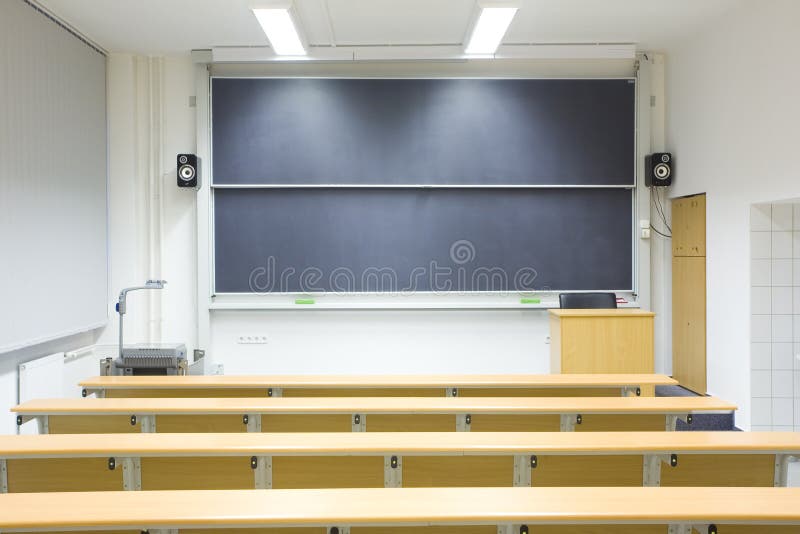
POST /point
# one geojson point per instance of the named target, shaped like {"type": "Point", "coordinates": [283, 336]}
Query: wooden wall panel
{"type": "Point", "coordinates": [200, 423]}
{"type": "Point", "coordinates": [587, 471]}
{"type": "Point", "coordinates": [613, 423]}
{"type": "Point", "coordinates": [197, 473]}
{"type": "Point", "coordinates": [689, 322]}
{"type": "Point", "coordinates": [62, 474]}
{"type": "Point", "coordinates": [290, 472]}
{"type": "Point", "coordinates": [458, 471]}
{"type": "Point", "coordinates": [721, 470]}
{"type": "Point", "coordinates": [411, 423]}
{"type": "Point", "coordinates": [515, 423]}
{"type": "Point", "coordinates": [92, 424]}
{"type": "Point", "coordinates": [306, 423]}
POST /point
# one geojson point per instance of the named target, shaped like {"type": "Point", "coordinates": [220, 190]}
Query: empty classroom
{"type": "Point", "coordinates": [399, 266]}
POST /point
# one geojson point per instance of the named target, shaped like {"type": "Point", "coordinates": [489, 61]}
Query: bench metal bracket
{"type": "Point", "coordinates": [148, 423]}
{"type": "Point", "coordinates": [253, 422]}
{"type": "Point", "coordinates": [339, 530]}
{"type": "Point", "coordinates": [393, 471]}
{"type": "Point", "coordinates": [686, 528]}
{"type": "Point", "coordinates": [3, 476]}
{"type": "Point", "coordinates": [43, 424]}
{"type": "Point", "coordinates": [782, 462]}
{"type": "Point", "coordinates": [262, 471]}
{"type": "Point", "coordinates": [631, 391]}
{"type": "Point", "coordinates": [99, 393]}
{"type": "Point", "coordinates": [513, 529]}
{"type": "Point", "coordinates": [463, 422]}
{"type": "Point", "coordinates": [651, 468]}
{"type": "Point", "coordinates": [451, 392]}
{"type": "Point", "coordinates": [523, 463]}
{"type": "Point", "coordinates": [359, 422]}
{"type": "Point", "coordinates": [162, 531]}
{"type": "Point", "coordinates": [672, 421]}
{"type": "Point", "coordinates": [568, 421]}
{"type": "Point", "coordinates": [275, 392]}
{"type": "Point", "coordinates": [131, 473]}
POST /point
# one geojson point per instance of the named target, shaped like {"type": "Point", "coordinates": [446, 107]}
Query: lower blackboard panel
{"type": "Point", "coordinates": [443, 240]}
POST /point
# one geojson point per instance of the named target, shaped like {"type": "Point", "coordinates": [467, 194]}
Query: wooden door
{"type": "Point", "coordinates": [689, 292]}
{"type": "Point", "coordinates": [689, 322]}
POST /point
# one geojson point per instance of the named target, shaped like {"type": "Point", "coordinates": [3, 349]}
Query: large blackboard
{"type": "Point", "coordinates": [369, 239]}
{"type": "Point", "coordinates": [423, 131]}
{"type": "Point", "coordinates": [430, 132]}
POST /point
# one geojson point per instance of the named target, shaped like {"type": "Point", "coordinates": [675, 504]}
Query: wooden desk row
{"type": "Point", "coordinates": [450, 385]}
{"type": "Point", "coordinates": [412, 510]}
{"type": "Point", "coordinates": [107, 462]}
{"type": "Point", "coordinates": [375, 414]}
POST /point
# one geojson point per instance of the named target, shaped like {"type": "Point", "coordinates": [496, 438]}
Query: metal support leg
{"type": "Point", "coordinates": [253, 422]}
{"type": "Point", "coordinates": [393, 471]}
{"type": "Point", "coordinates": [523, 464]}
{"type": "Point", "coordinates": [568, 422]}
{"type": "Point", "coordinates": [43, 422]}
{"type": "Point", "coordinates": [651, 467]}
{"type": "Point", "coordinates": [3, 476]}
{"type": "Point", "coordinates": [782, 462]}
{"type": "Point", "coordinates": [463, 422]}
{"type": "Point", "coordinates": [672, 422]}
{"type": "Point", "coordinates": [359, 422]}
{"type": "Point", "coordinates": [131, 474]}
{"type": "Point", "coordinates": [262, 471]}
{"type": "Point", "coordinates": [148, 423]}
{"type": "Point", "coordinates": [686, 528]}
{"type": "Point", "coordinates": [275, 392]}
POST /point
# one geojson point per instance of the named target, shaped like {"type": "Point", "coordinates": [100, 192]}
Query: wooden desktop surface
{"type": "Point", "coordinates": [397, 506]}
{"type": "Point", "coordinates": [377, 381]}
{"type": "Point", "coordinates": [381, 405]}
{"type": "Point", "coordinates": [403, 443]}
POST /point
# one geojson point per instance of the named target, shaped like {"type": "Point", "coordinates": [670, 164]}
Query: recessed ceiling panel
{"type": "Point", "coordinates": [376, 22]}
{"type": "Point", "coordinates": [650, 23]}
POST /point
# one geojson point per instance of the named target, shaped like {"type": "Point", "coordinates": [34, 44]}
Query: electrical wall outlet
{"type": "Point", "coordinates": [252, 339]}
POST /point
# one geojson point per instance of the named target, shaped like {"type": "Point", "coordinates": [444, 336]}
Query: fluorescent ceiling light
{"type": "Point", "coordinates": [277, 23]}
{"type": "Point", "coordinates": [490, 28]}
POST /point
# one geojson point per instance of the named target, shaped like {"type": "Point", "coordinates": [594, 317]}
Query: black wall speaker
{"type": "Point", "coordinates": [658, 169]}
{"type": "Point", "coordinates": [188, 171]}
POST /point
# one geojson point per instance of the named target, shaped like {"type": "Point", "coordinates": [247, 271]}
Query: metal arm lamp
{"type": "Point", "coordinates": [122, 303]}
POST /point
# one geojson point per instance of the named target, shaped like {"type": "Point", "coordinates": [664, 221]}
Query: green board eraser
{"type": "Point", "coordinates": [304, 301]}
{"type": "Point", "coordinates": [530, 301]}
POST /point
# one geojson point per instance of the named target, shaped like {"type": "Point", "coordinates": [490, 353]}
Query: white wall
{"type": "Point", "coordinates": [153, 234]}
{"type": "Point", "coordinates": [151, 222]}
{"type": "Point", "coordinates": [407, 341]}
{"type": "Point", "coordinates": [732, 116]}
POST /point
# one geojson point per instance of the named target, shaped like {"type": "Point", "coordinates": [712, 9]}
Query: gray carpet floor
{"type": "Point", "coordinates": [700, 422]}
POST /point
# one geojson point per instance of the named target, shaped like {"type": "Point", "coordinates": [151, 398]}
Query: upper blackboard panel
{"type": "Point", "coordinates": [423, 131]}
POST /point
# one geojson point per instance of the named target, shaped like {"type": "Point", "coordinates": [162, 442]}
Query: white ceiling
{"type": "Point", "coordinates": [177, 26]}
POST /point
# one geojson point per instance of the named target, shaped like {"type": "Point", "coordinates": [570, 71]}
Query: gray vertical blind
{"type": "Point", "coordinates": [53, 272]}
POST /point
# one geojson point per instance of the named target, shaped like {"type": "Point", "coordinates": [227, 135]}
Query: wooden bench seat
{"type": "Point", "coordinates": [518, 385]}
{"type": "Point", "coordinates": [382, 414]}
{"type": "Point", "coordinates": [406, 510]}
{"type": "Point", "coordinates": [72, 462]}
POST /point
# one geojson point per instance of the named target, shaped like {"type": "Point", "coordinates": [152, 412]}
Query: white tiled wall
{"type": "Point", "coordinates": [775, 316]}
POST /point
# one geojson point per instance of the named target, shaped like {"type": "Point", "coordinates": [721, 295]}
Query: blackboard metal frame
{"type": "Point", "coordinates": [508, 299]}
